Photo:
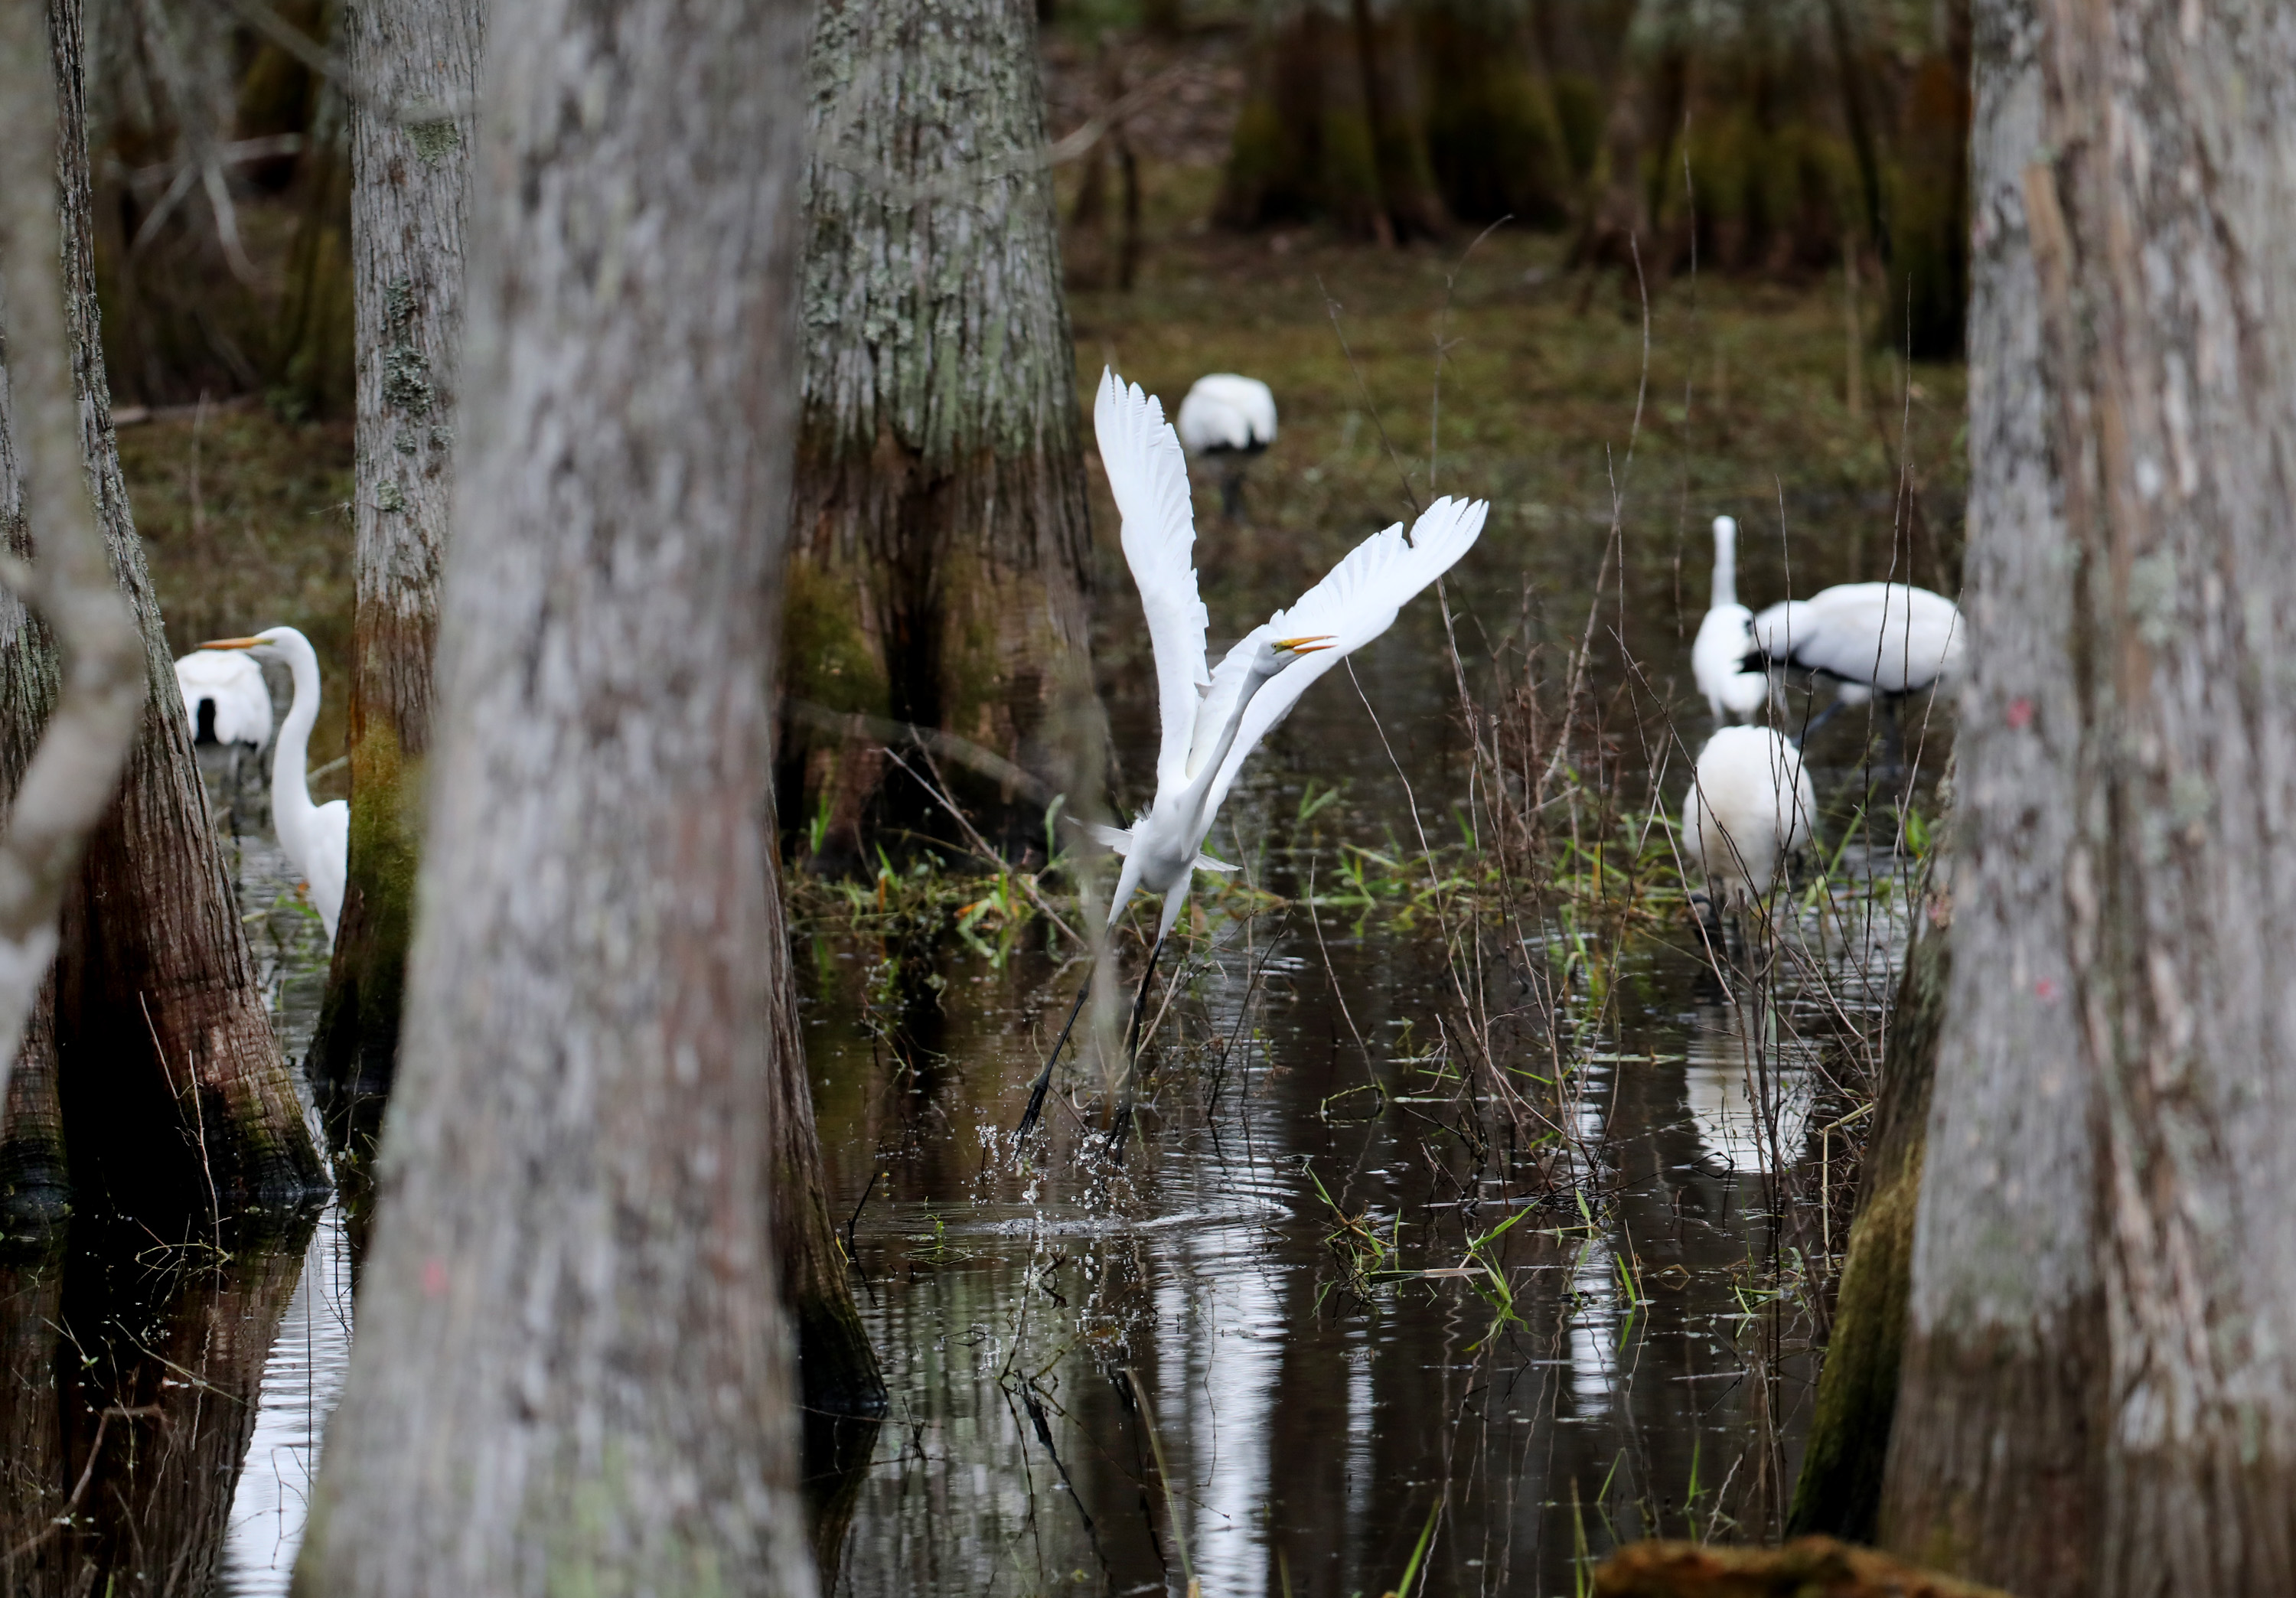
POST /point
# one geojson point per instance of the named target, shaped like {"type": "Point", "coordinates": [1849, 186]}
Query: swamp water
{"type": "Point", "coordinates": [1340, 1315]}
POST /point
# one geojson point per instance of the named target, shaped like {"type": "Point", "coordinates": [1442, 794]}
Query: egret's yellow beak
{"type": "Point", "coordinates": [1307, 645]}
{"type": "Point", "coordinates": [231, 643]}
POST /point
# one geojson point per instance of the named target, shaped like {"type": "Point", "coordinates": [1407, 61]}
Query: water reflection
{"type": "Point", "coordinates": [302, 1377]}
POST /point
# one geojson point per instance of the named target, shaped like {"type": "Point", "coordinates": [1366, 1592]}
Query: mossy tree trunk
{"type": "Point", "coordinates": [1493, 142]}
{"type": "Point", "coordinates": [172, 1093]}
{"type": "Point", "coordinates": [1839, 1489]}
{"type": "Point", "coordinates": [940, 564]}
{"type": "Point", "coordinates": [409, 192]}
{"type": "Point", "coordinates": [576, 1185]}
{"type": "Point", "coordinates": [1991, 1453]}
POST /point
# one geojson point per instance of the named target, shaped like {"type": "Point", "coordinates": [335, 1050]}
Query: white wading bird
{"type": "Point", "coordinates": [1726, 639]}
{"type": "Point", "coordinates": [1750, 807]}
{"type": "Point", "coordinates": [229, 703]}
{"type": "Point", "coordinates": [317, 837]}
{"type": "Point", "coordinates": [1227, 420]}
{"type": "Point", "coordinates": [1890, 639]}
{"type": "Point", "coordinates": [1212, 720]}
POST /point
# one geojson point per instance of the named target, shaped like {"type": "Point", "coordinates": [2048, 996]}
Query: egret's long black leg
{"type": "Point", "coordinates": [1121, 1128]}
{"type": "Point", "coordinates": [1045, 1077]}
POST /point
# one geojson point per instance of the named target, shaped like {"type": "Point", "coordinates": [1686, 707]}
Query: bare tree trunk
{"type": "Point", "coordinates": [409, 191]}
{"type": "Point", "coordinates": [575, 1185]}
{"type": "Point", "coordinates": [68, 783]}
{"type": "Point", "coordinates": [2162, 209]}
{"type": "Point", "coordinates": [2106, 1395]}
{"type": "Point", "coordinates": [172, 1091]}
{"type": "Point", "coordinates": [941, 540]}
{"type": "Point", "coordinates": [1990, 1469]}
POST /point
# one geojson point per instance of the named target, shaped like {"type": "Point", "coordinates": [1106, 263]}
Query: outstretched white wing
{"type": "Point", "coordinates": [1149, 477]}
{"type": "Point", "coordinates": [1354, 604]}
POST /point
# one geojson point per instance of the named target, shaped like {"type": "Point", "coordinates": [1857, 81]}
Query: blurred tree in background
{"type": "Point", "coordinates": [222, 204]}
{"type": "Point", "coordinates": [1762, 136]}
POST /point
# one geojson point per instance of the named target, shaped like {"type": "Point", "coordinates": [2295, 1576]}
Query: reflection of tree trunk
{"type": "Point", "coordinates": [169, 1081]}
{"type": "Point", "coordinates": [409, 192]}
{"type": "Point", "coordinates": [1839, 1489]}
{"type": "Point", "coordinates": [589, 1109]}
{"type": "Point", "coordinates": [837, 1370]}
{"type": "Point", "coordinates": [1990, 1451]}
{"type": "Point", "coordinates": [939, 572]}
{"type": "Point", "coordinates": [158, 1422]}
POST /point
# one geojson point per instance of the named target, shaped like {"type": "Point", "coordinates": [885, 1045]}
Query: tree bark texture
{"type": "Point", "coordinates": [2162, 209]}
{"type": "Point", "coordinates": [940, 555]}
{"type": "Point", "coordinates": [172, 1092]}
{"type": "Point", "coordinates": [2151, 365]}
{"type": "Point", "coordinates": [576, 1176]}
{"type": "Point", "coordinates": [1989, 1472]}
{"type": "Point", "coordinates": [409, 191]}
{"type": "Point", "coordinates": [1839, 1492]}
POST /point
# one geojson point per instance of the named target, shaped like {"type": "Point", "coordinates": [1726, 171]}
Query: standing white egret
{"type": "Point", "coordinates": [1212, 720]}
{"type": "Point", "coordinates": [1726, 639]}
{"type": "Point", "coordinates": [229, 705]}
{"type": "Point", "coordinates": [1750, 807]}
{"type": "Point", "coordinates": [1227, 420]}
{"type": "Point", "coordinates": [1890, 639]}
{"type": "Point", "coordinates": [317, 837]}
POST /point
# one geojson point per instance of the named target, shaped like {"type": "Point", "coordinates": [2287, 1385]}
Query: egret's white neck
{"type": "Point", "coordinates": [1725, 562]}
{"type": "Point", "coordinates": [1192, 797]}
{"type": "Point", "coordinates": [290, 791]}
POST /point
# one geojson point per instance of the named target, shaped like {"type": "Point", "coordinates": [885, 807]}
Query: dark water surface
{"type": "Point", "coordinates": [1276, 1296]}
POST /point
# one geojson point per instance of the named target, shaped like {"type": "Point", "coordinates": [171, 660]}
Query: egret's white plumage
{"type": "Point", "coordinates": [1886, 638]}
{"type": "Point", "coordinates": [1726, 639]}
{"type": "Point", "coordinates": [1750, 807]}
{"type": "Point", "coordinates": [1213, 719]}
{"type": "Point", "coordinates": [317, 838]}
{"type": "Point", "coordinates": [225, 697]}
{"type": "Point", "coordinates": [1225, 410]}
{"type": "Point", "coordinates": [1225, 421]}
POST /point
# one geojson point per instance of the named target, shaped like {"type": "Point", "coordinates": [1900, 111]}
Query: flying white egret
{"type": "Point", "coordinates": [229, 705]}
{"type": "Point", "coordinates": [1212, 720]}
{"type": "Point", "coordinates": [1227, 420]}
{"type": "Point", "coordinates": [317, 837]}
{"type": "Point", "coordinates": [1726, 639]}
{"type": "Point", "coordinates": [1890, 639]}
{"type": "Point", "coordinates": [1750, 807]}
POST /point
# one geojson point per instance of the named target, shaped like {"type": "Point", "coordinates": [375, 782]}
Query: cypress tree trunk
{"type": "Point", "coordinates": [2163, 228]}
{"type": "Point", "coordinates": [409, 190]}
{"type": "Point", "coordinates": [576, 1187]}
{"type": "Point", "coordinates": [171, 1089]}
{"type": "Point", "coordinates": [1839, 1489]}
{"type": "Point", "coordinates": [939, 561]}
{"type": "Point", "coordinates": [1989, 1465]}
{"type": "Point", "coordinates": [2137, 1435]}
